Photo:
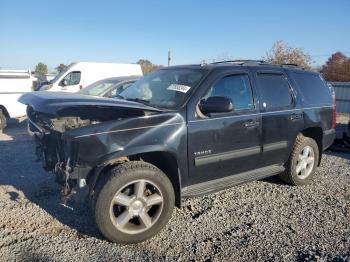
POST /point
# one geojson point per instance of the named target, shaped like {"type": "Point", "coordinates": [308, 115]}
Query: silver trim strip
{"type": "Point", "coordinates": [215, 158]}
{"type": "Point", "coordinates": [275, 146]}
{"type": "Point", "coordinates": [129, 129]}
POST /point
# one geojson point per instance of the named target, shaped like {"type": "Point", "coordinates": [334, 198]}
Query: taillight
{"type": "Point", "coordinates": [334, 115]}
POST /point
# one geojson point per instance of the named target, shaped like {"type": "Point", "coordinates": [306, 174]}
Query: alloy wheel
{"type": "Point", "coordinates": [136, 207]}
{"type": "Point", "coordinates": [305, 162]}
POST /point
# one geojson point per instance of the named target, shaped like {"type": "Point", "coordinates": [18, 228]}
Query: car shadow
{"type": "Point", "coordinates": [20, 172]}
{"type": "Point", "coordinates": [337, 154]}
{"type": "Point", "coordinates": [274, 180]}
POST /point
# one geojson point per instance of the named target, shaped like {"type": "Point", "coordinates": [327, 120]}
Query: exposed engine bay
{"type": "Point", "coordinates": [54, 148]}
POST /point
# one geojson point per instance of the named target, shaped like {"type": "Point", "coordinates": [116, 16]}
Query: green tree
{"type": "Point", "coordinates": [147, 66]}
{"type": "Point", "coordinates": [61, 68]}
{"type": "Point", "coordinates": [282, 53]}
{"type": "Point", "coordinates": [41, 69]}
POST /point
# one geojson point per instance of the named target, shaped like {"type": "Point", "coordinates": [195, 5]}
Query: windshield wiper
{"type": "Point", "coordinates": [138, 100]}
{"type": "Point", "coordinates": [144, 102]}
{"type": "Point", "coordinates": [119, 96]}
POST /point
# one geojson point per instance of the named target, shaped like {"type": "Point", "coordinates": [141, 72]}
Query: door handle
{"type": "Point", "coordinates": [296, 116]}
{"type": "Point", "coordinates": [250, 123]}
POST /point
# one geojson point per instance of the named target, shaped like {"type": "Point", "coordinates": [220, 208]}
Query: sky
{"type": "Point", "coordinates": [55, 32]}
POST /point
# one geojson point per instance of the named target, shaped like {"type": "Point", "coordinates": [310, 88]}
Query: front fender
{"type": "Point", "coordinates": [105, 160]}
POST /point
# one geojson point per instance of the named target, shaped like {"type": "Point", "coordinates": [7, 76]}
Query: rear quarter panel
{"type": "Point", "coordinates": [319, 113]}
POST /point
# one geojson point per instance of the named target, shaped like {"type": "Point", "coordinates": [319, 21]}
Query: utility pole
{"type": "Point", "coordinates": [169, 57]}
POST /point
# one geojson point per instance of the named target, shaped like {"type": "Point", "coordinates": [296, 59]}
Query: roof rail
{"type": "Point", "coordinates": [241, 61]}
{"type": "Point", "coordinates": [251, 61]}
{"type": "Point", "coordinates": [290, 64]}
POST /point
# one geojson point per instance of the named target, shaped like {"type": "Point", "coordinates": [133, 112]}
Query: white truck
{"type": "Point", "coordinates": [13, 84]}
{"type": "Point", "coordinates": [79, 75]}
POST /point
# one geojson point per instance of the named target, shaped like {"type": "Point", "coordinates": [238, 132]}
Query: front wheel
{"type": "Point", "coordinates": [302, 162]}
{"type": "Point", "coordinates": [134, 203]}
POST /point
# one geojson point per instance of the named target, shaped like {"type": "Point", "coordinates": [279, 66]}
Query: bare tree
{"type": "Point", "coordinates": [282, 53]}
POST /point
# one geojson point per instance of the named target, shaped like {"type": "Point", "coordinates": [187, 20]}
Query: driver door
{"type": "Point", "coordinates": [225, 144]}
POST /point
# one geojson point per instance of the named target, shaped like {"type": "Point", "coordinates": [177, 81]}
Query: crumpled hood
{"type": "Point", "coordinates": [62, 103]}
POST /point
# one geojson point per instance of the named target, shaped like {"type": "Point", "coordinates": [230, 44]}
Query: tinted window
{"type": "Point", "coordinates": [275, 91]}
{"type": "Point", "coordinates": [235, 87]}
{"type": "Point", "coordinates": [99, 87]}
{"type": "Point", "coordinates": [116, 90]}
{"type": "Point", "coordinates": [313, 88]}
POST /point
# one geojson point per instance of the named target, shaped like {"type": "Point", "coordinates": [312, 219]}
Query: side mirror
{"type": "Point", "coordinates": [216, 104]}
{"type": "Point", "coordinates": [64, 82]}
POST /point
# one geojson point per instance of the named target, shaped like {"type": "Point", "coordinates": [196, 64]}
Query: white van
{"type": "Point", "coordinates": [13, 84]}
{"type": "Point", "coordinates": [79, 75]}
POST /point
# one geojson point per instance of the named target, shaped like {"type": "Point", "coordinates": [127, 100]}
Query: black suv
{"type": "Point", "coordinates": [178, 132]}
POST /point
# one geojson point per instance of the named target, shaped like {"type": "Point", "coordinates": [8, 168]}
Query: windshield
{"type": "Point", "coordinates": [98, 88]}
{"type": "Point", "coordinates": [165, 88]}
{"type": "Point", "coordinates": [57, 76]}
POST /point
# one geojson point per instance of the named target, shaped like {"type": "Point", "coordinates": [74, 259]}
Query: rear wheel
{"type": "Point", "coordinates": [134, 203]}
{"type": "Point", "coordinates": [2, 120]}
{"type": "Point", "coordinates": [302, 162]}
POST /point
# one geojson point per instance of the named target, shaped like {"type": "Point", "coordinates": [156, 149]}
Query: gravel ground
{"type": "Point", "coordinates": [343, 118]}
{"type": "Point", "coordinates": [260, 221]}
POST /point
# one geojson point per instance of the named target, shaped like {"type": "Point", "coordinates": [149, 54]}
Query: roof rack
{"type": "Point", "coordinates": [241, 61]}
{"type": "Point", "coordinates": [288, 64]}
{"type": "Point", "coordinates": [251, 61]}
{"type": "Point", "coordinates": [292, 65]}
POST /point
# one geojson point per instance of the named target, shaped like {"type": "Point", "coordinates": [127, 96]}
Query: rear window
{"type": "Point", "coordinates": [313, 88]}
{"type": "Point", "coordinates": [275, 91]}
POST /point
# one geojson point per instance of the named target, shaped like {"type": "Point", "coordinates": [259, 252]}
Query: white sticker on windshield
{"type": "Point", "coordinates": [179, 88]}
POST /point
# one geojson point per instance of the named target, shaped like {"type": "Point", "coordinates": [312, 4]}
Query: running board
{"type": "Point", "coordinates": [226, 182]}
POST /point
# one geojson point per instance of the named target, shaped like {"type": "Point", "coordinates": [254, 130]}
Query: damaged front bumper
{"type": "Point", "coordinates": [57, 155]}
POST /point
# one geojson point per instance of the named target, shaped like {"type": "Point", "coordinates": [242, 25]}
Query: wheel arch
{"type": "Point", "coordinates": [316, 133]}
{"type": "Point", "coordinates": [164, 160]}
{"type": "Point", "coordinates": [4, 110]}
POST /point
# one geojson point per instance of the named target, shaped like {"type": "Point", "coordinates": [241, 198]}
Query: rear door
{"type": "Point", "coordinates": [281, 118]}
{"type": "Point", "coordinates": [224, 144]}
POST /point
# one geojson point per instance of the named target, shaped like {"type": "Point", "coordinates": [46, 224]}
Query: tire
{"type": "Point", "coordinates": [2, 120]}
{"type": "Point", "coordinates": [118, 200]}
{"type": "Point", "coordinates": [299, 169]}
